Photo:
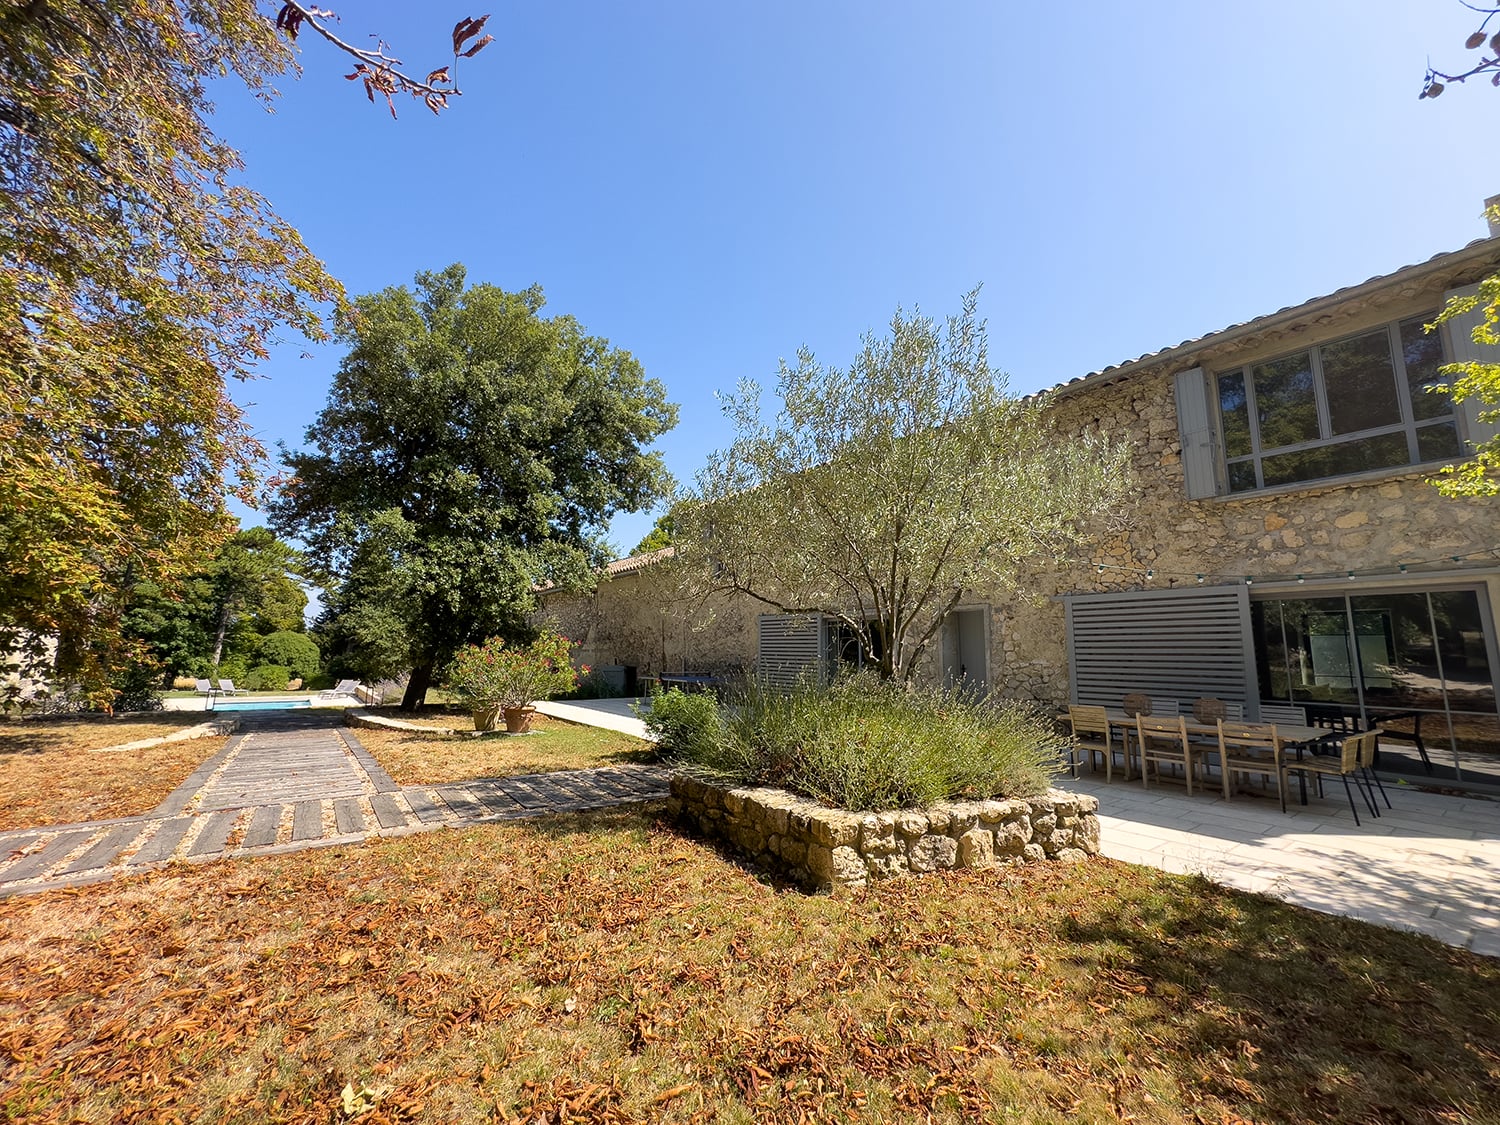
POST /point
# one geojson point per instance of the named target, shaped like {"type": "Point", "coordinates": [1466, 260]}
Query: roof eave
{"type": "Point", "coordinates": [1475, 252]}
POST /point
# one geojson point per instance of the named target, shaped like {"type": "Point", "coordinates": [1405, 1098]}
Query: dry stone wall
{"type": "Point", "coordinates": [822, 848]}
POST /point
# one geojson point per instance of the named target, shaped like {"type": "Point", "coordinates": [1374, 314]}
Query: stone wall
{"type": "Point", "coordinates": [1329, 527]}
{"type": "Point", "coordinates": [822, 848]}
{"type": "Point", "coordinates": [643, 620]}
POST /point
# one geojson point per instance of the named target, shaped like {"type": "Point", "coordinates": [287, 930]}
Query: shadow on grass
{"type": "Point", "coordinates": [1326, 1018]}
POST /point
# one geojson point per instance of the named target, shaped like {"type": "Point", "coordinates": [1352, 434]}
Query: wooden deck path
{"type": "Point", "coordinates": [287, 785]}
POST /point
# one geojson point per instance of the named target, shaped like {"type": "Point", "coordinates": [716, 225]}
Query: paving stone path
{"type": "Point", "coordinates": [293, 782]}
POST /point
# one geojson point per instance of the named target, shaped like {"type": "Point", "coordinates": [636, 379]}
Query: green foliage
{"type": "Point", "coordinates": [864, 743]}
{"type": "Point", "coordinates": [265, 677]}
{"type": "Point", "coordinates": [878, 494]}
{"type": "Point", "coordinates": [470, 449]}
{"type": "Point", "coordinates": [234, 667]}
{"type": "Point", "coordinates": [690, 727]}
{"type": "Point", "coordinates": [296, 651]}
{"type": "Point", "coordinates": [137, 276]}
{"type": "Point", "coordinates": [251, 586]}
{"type": "Point", "coordinates": [1480, 475]}
{"type": "Point", "coordinates": [511, 675]}
{"type": "Point", "coordinates": [138, 688]}
{"type": "Point", "coordinates": [662, 534]}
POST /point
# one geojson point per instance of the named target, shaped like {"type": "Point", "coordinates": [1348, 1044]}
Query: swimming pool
{"type": "Point", "coordinates": [261, 704]}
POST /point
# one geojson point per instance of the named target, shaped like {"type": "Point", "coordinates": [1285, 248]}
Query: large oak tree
{"type": "Point", "coordinates": [471, 448]}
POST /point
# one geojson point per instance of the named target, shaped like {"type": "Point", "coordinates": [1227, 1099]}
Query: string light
{"type": "Point", "coordinates": [1150, 573]}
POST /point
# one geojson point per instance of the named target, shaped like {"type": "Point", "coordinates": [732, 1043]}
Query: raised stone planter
{"type": "Point", "coordinates": [823, 848]}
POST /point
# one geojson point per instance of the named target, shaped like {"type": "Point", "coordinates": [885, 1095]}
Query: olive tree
{"type": "Point", "coordinates": [881, 492]}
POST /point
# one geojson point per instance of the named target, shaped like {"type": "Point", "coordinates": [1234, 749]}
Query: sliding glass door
{"type": "Point", "coordinates": [1424, 652]}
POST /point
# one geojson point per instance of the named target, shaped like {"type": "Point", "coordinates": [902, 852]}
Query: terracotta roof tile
{"type": "Point", "coordinates": [1468, 255]}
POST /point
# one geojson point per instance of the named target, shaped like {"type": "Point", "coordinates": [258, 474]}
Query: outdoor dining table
{"type": "Point", "coordinates": [1293, 737]}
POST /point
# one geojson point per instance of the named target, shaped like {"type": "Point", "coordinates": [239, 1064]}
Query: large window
{"type": "Point", "coordinates": [1350, 406]}
{"type": "Point", "coordinates": [1402, 651]}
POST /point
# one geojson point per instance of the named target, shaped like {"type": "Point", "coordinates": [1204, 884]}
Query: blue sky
{"type": "Point", "coordinates": [711, 186]}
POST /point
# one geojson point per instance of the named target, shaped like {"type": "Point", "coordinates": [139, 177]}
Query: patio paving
{"type": "Point", "coordinates": [1430, 864]}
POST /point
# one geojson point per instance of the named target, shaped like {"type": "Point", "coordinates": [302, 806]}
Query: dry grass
{"type": "Point", "coordinates": [419, 759]}
{"type": "Point", "coordinates": [606, 969]}
{"type": "Point", "coordinates": [48, 774]}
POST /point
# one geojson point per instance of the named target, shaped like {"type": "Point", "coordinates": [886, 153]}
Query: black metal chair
{"type": "Point", "coordinates": [1400, 734]}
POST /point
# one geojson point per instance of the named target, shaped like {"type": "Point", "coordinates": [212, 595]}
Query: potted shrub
{"type": "Point", "coordinates": [496, 679]}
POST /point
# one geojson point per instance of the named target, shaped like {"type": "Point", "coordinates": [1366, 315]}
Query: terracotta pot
{"type": "Point", "coordinates": [518, 719]}
{"type": "Point", "coordinates": [487, 718]}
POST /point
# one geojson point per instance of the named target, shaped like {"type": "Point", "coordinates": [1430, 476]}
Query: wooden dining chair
{"type": "Point", "coordinates": [1165, 740]}
{"type": "Point", "coordinates": [1344, 766]}
{"type": "Point", "coordinates": [1251, 748]}
{"type": "Point", "coordinates": [1092, 738]}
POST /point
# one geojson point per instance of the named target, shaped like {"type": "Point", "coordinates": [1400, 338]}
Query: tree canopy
{"type": "Point", "coordinates": [220, 614]}
{"type": "Point", "coordinates": [662, 534]}
{"type": "Point", "coordinates": [471, 448]}
{"type": "Point", "coordinates": [881, 492]}
{"type": "Point", "coordinates": [137, 276]}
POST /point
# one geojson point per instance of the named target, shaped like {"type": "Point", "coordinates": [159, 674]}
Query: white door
{"type": "Point", "coordinates": [965, 652]}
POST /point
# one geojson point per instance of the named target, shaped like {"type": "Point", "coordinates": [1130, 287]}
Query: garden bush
{"type": "Point", "coordinates": [295, 651]}
{"type": "Point", "coordinates": [138, 688]}
{"type": "Point", "coordinates": [863, 744]}
{"type": "Point", "coordinates": [266, 677]}
{"type": "Point", "coordinates": [234, 667]}
{"type": "Point", "coordinates": [688, 727]}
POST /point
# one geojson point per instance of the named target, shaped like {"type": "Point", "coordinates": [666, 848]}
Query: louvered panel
{"type": "Point", "coordinates": [790, 649]}
{"type": "Point", "coordinates": [1179, 644]}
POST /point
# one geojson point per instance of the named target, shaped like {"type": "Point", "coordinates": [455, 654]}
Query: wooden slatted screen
{"type": "Point", "coordinates": [790, 648]}
{"type": "Point", "coordinates": [1179, 644]}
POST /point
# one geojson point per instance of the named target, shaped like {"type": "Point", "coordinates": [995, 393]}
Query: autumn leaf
{"type": "Point", "coordinates": [465, 29]}
{"type": "Point", "coordinates": [481, 45]}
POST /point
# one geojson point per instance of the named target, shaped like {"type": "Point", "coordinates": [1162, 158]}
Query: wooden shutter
{"type": "Point", "coordinates": [1458, 340]}
{"type": "Point", "coordinates": [790, 648]}
{"type": "Point", "coordinates": [1195, 428]}
{"type": "Point", "coordinates": [1177, 644]}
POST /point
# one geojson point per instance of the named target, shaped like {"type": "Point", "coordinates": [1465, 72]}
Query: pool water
{"type": "Point", "coordinates": [261, 704]}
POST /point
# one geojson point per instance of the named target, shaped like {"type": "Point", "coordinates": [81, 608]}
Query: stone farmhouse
{"type": "Point", "coordinates": [1286, 545]}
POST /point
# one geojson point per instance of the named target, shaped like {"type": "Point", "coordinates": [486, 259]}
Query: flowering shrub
{"type": "Point", "coordinates": [495, 673]}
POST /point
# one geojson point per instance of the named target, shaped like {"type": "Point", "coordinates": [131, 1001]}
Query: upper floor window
{"type": "Point", "coordinates": [1350, 406]}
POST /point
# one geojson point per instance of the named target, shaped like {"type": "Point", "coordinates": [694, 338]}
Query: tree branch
{"type": "Point", "coordinates": [379, 71]}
